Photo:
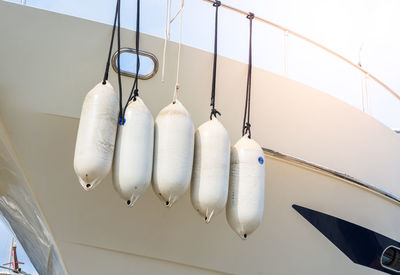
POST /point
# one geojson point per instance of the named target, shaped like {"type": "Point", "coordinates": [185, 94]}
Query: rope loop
{"type": "Point", "coordinates": [135, 90]}
{"type": "Point", "coordinates": [246, 117]}
{"type": "Point", "coordinates": [214, 111]}
{"type": "Point", "coordinates": [118, 13]}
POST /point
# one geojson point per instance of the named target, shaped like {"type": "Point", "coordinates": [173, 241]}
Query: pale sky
{"type": "Point", "coordinates": [344, 26]}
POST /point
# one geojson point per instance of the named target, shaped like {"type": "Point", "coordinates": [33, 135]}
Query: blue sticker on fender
{"type": "Point", "coordinates": [261, 160]}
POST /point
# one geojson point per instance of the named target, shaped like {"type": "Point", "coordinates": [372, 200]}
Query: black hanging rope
{"type": "Point", "coordinates": [135, 90]}
{"type": "Point", "coordinates": [105, 78]}
{"type": "Point", "coordinates": [214, 111]}
{"type": "Point", "coordinates": [121, 117]}
{"type": "Point", "coordinates": [246, 117]}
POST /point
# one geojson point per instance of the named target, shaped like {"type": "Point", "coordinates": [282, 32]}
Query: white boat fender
{"type": "Point", "coordinates": [173, 152]}
{"type": "Point", "coordinates": [174, 135]}
{"type": "Point", "coordinates": [245, 206]}
{"type": "Point", "coordinates": [133, 157]}
{"type": "Point", "coordinates": [95, 141]}
{"type": "Point", "coordinates": [210, 179]}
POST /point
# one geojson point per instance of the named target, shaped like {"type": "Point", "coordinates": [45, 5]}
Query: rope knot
{"type": "Point", "coordinates": [250, 16]}
{"type": "Point", "coordinates": [247, 130]}
{"type": "Point", "coordinates": [217, 4]}
{"type": "Point", "coordinates": [135, 94]}
{"type": "Point", "coordinates": [214, 112]}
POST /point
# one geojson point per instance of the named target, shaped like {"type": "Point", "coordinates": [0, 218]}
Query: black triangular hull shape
{"type": "Point", "coordinates": [361, 245]}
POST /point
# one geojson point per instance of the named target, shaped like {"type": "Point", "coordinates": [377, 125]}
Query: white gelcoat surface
{"type": "Point", "coordinates": [245, 206]}
{"type": "Point", "coordinates": [133, 159]}
{"type": "Point", "coordinates": [173, 152]}
{"type": "Point", "coordinates": [96, 135]}
{"type": "Point", "coordinates": [210, 177]}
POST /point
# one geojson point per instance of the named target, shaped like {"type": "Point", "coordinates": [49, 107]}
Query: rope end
{"type": "Point", "coordinates": [250, 16]}
{"type": "Point", "coordinates": [217, 3]}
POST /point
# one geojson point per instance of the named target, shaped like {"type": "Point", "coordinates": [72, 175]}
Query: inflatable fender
{"type": "Point", "coordinates": [210, 179]}
{"type": "Point", "coordinates": [133, 158]}
{"type": "Point", "coordinates": [245, 206]}
{"type": "Point", "coordinates": [96, 135]}
{"type": "Point", "coordinates": [173, 152]}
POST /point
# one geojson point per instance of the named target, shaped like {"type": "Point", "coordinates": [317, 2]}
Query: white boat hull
{"type": "Point", "coordinates": [43, 82]}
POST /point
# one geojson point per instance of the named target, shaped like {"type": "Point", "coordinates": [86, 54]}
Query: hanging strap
{"type": "Point", "coordinates": [214, 111]}
{"type": "Point", "coordinates": [105, 78]}
{"type": "Point", "coordinates": [246, 117]}
{"type": "Point", "coordinates": [135, 90]}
